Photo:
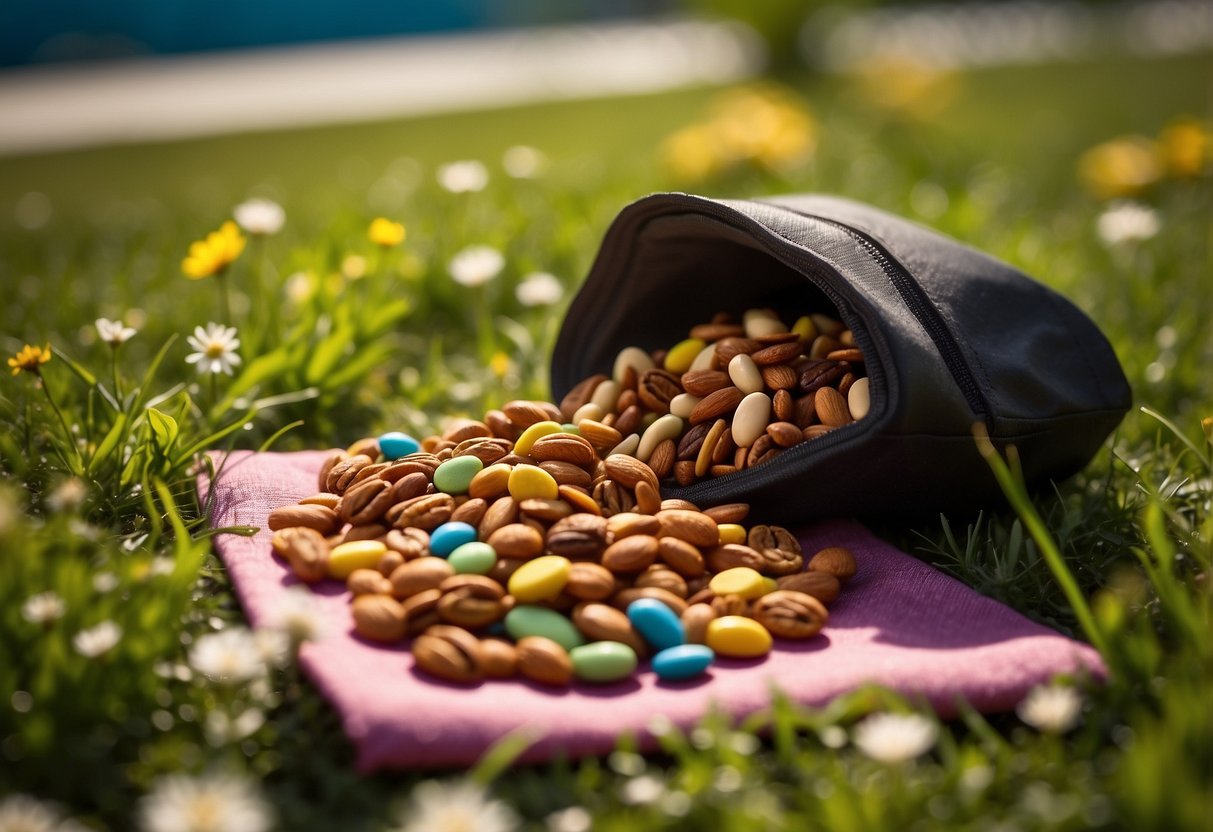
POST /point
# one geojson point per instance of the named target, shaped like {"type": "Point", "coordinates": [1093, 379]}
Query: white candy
{"type": "Point", "coordinates": [751, 418]}
{"type": "Point", "coordinates": [745, 374]}
{"type": "Point", "coordinates": [668, 426]}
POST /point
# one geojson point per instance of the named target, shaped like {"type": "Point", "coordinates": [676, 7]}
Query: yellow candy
{"type": "Point", "coordinates": [531, 481]}
{"type": "Point", "coordinates": [740, 580]}
{"type": "Point", "coordinates": [805, 328]}
{"type": "Point", "coordinates": [357, 554]}
{"type": "Point", "coordinates": [680, 356]}
{"type": "Point", "coordinates": [731, 533]}
{"type": "Point", "coordinates": [540, 579]}
{"type": "Point", "coordinates": [523, 446]}
{"type": "Point", "coordinates": [738, 637]}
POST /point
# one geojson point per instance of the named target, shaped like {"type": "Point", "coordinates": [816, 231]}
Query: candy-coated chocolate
{"type": "Point", "coordinates": [475, 558]}
{"type": "Point", "coordinates": [455, 474]}
{"type": "Point", "coordinates": [527, 438]}
{"type": "Point", "coordinates": [740, 580]}
{"type": "Point", "coordinates": [738, 637]}
{"type": "Point", "coordinates": [528, 620]}
{"type": "Point", "coordinates": [395, 444]}
{"type": "Point", "coordinates": [683, 661]}
{"type": "Point", "coordinates": [530, 481]}
{"type": "Point", "coordinates": [682, 354]}
{"type": "Point", "coordinates": [450, 536]}
{"type": "Point", "coordinates": [357, 554]}
{"type": "Point", "coordinates": [657, 624]}
{"type": "Point", "coordinates": [603, 661]}
{"type": "Point", "coordinates": [540, 579]}
{"type": "Point", "coordinates": [731, 533]}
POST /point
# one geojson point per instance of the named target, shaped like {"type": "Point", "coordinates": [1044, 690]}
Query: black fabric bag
{"type": "Point", "coordinates": [950, 337]}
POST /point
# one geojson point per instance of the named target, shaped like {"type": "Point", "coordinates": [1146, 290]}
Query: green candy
{"type": "Point", "coordinates": [455, 475]}
{"type": "Point", "coordinates": [529, 620]}
{"type": "Point", "coordinates": [475, 558]}
{"type": "Point", "coordinates": [603, 661]}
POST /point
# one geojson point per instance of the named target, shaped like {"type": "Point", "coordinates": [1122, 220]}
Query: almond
{"type": "Point", "coordinates": [776, 354]}
{"type": "Point", "coordinates": [602, 437]}
{"type": "Point", "coordinates": [821, 585]}
{"type": "Point", "coordinates": [663, 457]}
{"type": "Point", "coordinates": [694, 527]}
{"type": "Point", "coordinates": [784, 434]}
{"type": "Point", "coordinates": [526, 413]}
{"type": "Point", "coordinates": [831, 407]}
{"type": "Point", "coordinates": [835, 560]}
{"type": "Point", "coordinates": [717, 404]}
{"type": "Point", "coordinates": [321, 518]}
{"type": "Point", "coordinates": [379, 618]}
{"type": "Point", "coordinates": [516, 540]}
{"type": "Point", "coordinates": [628, 470]}
{"type": "Point", "coordinates": [703, 382]}
{"type": "Point", "coordinates": [779, 377]}
{"type": "Point", "coordinates": [564, 447]}
{"type": "Point", "coordinates": [631, 554]}
{"type": "Point", "coordinates": [579, 395]}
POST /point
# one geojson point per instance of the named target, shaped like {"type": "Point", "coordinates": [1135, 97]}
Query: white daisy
{"type": "Point", "coordinates": [97, 640]}
{"type": "Point", "coordinates": [68, 495]}
{"type": "Point", "coordinates": [261, 217]}
{"type": "Point", "coordinates": [209, 803]}
{"type": "Point", "coordinates": [1127, 222]}
{"type": "Point", "coordinates": [215, 349]}
{"type": "Point", "coordinates": [22, 813]}
{"type": "Point", "coordinates": [539, 289]}
{"type": "Point", "coordinates": [572, 819]}
{"type": "Point", "coordinates": [105, 582]}
{"type": "Point", "coordinates": [895, 738]}
{"type": "Point", "coordinates": [1051, 709]}
{"type": "Point", "coordinates": [114, 333]}
{"type": "Point", "coordinates": [231, 656]}
{"type": "Point", "coordinates": [42, 608]}
{"type": "Point", "coordinates": [274, 646]}
{"type": "Point", "coordinates": [638, 791]}
{"type": "Point", "coordinates": [523, 162]}
{"type": "Point", "coordinates": [463, 177]}
{"type": "Point", "coordinates": [455, 806]}
{"type": "Point", "coordinates": [298, 615]}
{"type": "Point", "coordinates": [476, 265]}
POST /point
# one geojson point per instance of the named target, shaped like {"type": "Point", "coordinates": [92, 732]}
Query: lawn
{"type": "Point", "coordinates": [342, 339]}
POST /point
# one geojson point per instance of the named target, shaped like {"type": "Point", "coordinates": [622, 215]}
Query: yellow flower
{"type": "Point", "coordinates": [384, 232]}
{"type": "Point", "coordinates": [30, 358]}
{"type": "Point", "coordinates": [212, 255]}
{"type": "Point", "coordinates": [1184, 146]}
{"type": "Point", "coordinates": [499, 364]}
{"type": "Point", "coordinates": [907, 88]}
{"type": "Point", "coordinates": [1122, 167]}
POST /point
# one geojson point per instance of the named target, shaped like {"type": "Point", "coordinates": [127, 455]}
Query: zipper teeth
{"type": "Point", "coordinates": [926, 315]}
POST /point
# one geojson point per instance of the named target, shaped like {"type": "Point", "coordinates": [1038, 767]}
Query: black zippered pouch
{"type": "Point", "coordinates": [950, 336]}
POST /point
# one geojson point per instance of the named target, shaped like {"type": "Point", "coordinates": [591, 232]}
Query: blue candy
{"type": "Point", "coordinates": [684, 661]}
{"type": "Point", "coordinates": [450, 536]}
{"type": "Point", "coordinates": [396, 444]}
{"type": "Point", "coordinates": [657, 623]}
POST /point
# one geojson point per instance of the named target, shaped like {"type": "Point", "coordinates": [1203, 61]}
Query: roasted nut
{"type": "Point", "coordinates": [579, 395]}
{"type": "Point", "coordinates": [590, 582]}
{"type": "Point", "coordinates": [630, 554]}
{"type": "Point", "coordinates": [516, 540]}
{"type": "Point", "coordinates": [790, 614]}
{"type": "Point", "coordinates": [526, 413]}
{"type": "Point", "coordinates": [419, 575]}
{"type": "Point", "coordinates": [566, 473]}
{"type": "Point", "coordinates": [662, 577]}
{"type": "Point", "coordinates": [411, 543]}
{"type": "Point", "coordinates": [694, 527]}
{"type": "Point", "coordinates": [342, 473]}
{"type": "Point", "coordinates": [731, 555]}
{"type": "Point", "coordinates": [717, 404]}
{"type": "Point", "coordinates": [564, 447]}
{"type": "Point", "coordinates": [729, 512]}
{"type": "Point", "coordinates": [450, 653]}
{"type": "Point", "coordinates": [472, 601]}
{"type": "Point", "coordinates": [628, 470]}
{"type": "Point", "coordinates": [600, 622]}
{"type": "Point", "coordinates": [498, 658]}
{"type": "Point", "coordinates": [628, 523]}
{"type": "Point", "coordinates": [305, 550]}
{"type": "Point", "coordinates": [543, 660]}
{"type": "Point", "coordinates": [831, 407]}
{"type": "Point", "coordinates": [368, 582]}
{"type": "Point", "coordinates": [578, 536]}
{"type": "Point", "coordinates": [682, 557]}
{"type": "Point", "coordinates": [695, 621]}
{"type": "Point", "coordinates": [656, 388]}
{"type": "Point", "coordinates": [379, 618]}
{"type": "Point", "coordinates": [821, 585]}
{"type": "Point", "coordinates": [501, 512]}
{"type": "Point", "coordinates": [626, 596]}
{"type": "Point", "coordinates": [470, 511]}
{"type": "Point", "coordinates": [321, 518]}
{"type": "Point", "coordinates": [836, 561]}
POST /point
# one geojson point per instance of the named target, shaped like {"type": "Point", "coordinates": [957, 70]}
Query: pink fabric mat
{"type": "Point", "coordinates": [899, 623]}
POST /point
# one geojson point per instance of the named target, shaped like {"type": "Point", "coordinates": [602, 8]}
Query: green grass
{"type": "Point", "coordinates": [1118, 556]}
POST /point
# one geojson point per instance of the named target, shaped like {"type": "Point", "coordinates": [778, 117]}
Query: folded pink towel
{"type": "Point", "coordinates": [899, 623]}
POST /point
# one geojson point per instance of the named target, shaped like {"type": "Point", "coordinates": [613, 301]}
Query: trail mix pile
{"type": "Point", "coordinates": [536, 542]}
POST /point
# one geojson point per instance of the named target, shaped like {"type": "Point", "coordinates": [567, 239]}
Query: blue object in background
{"type": "Point", "coordinates": [41, 31]}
